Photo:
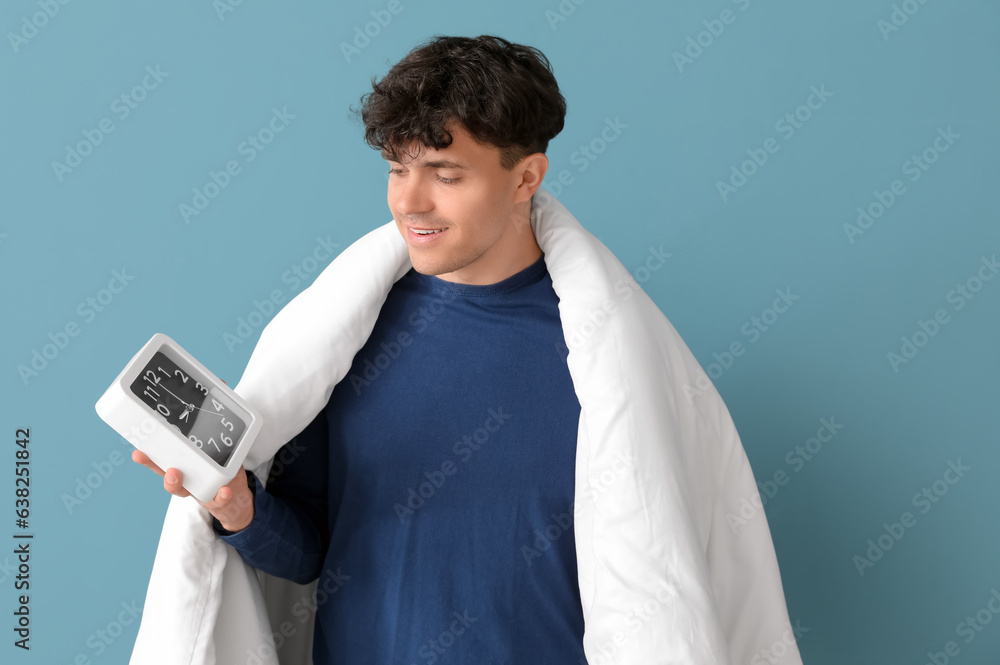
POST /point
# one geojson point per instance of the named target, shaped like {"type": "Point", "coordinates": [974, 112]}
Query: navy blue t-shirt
{"type": "Point", "coordinates": [433, 497]}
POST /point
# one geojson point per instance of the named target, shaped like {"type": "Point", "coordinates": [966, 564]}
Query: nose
{"type": "Point", "coordinates": [409, 194]}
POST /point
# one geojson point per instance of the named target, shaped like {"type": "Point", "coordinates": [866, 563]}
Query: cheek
{"type": "Point", "coordinates": [483, 213]}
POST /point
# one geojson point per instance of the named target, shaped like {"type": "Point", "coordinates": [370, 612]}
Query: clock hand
{"type": "Point", "coordinates": [189, 406]}
{"type": "Point", "coordinates": [215, 413]}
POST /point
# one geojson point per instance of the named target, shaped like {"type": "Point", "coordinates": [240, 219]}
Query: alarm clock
{"type": "Point", "coordinates": [169, 406]}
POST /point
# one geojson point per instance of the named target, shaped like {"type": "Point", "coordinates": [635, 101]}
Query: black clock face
{"type": "Point", "coordinates": [209, 421]}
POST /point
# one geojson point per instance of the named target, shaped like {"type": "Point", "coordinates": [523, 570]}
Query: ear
{"type": "Point", "coordinates": [530, 172]}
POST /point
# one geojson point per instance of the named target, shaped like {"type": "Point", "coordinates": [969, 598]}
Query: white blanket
{"type": "Point", "coordinates": [664, 576]}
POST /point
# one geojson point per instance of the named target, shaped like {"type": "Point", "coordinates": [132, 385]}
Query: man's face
{"type": "Point", "coordinates": [463, 194]}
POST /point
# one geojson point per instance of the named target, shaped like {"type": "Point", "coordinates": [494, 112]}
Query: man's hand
{"type": "Point", "coordinates": [232, 505]}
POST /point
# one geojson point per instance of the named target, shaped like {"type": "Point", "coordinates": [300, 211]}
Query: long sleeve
{"type": "Point", "coordinates": [289, 534]}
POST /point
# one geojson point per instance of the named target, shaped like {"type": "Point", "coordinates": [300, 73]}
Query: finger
{"type": "Point", "coordinates": [140, 457]}
{"type": "Point", "coordinates": [229, 501]}
{"type": "Point", "coordinates": [222, 498]}
{"type": "Point", "coordinates": [172, 482]}
{"type": "Point", "coordinates": [226, 493]}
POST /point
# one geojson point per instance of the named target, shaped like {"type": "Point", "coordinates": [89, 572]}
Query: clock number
{"type": "Point", "coordinates": [165, 372]}
{"type": "Point", "coordinates": [226, 440]}
{"type": "Point", "coordinates": [198, 386]}
{"type": "Point", "coordinates": [227, 424]}
{"type": "Point", "coordinates": [218, 407]}
{"type": "Point", "coordinates": [211, 440]}
{"type": "Point", "coordinates": [162, 408]}
{"type": "Point", "coordinates": [196, 441]}
{"type": "Point", "coordinates": [149, 390]}
{"type": "Point", "coordinates": [181, 374]}
{"type": "Point", "coordinates": [152, 378]}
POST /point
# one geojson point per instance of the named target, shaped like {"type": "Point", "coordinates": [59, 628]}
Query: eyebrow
{"type": "Point", "coordinates": [442, 164]}
{"type": "Point", "coordinates": [433, 164]}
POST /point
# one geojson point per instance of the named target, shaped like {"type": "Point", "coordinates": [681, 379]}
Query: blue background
{"type": "Point", "coordinates": [684, 126]}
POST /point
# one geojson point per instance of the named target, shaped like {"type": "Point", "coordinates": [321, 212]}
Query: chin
{"type": "Point", "coordinates": [425, 267]}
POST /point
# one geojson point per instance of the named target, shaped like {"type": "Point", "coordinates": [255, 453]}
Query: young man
{"type": "Point", "coordinates": [420, 482]}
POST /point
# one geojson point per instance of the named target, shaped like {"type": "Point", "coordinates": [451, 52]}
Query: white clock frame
{"type": "Point", "coordinates": [147, 429]}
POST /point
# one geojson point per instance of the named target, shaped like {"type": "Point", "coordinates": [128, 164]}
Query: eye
{"type": "Point", "coordinates": [448, 181]}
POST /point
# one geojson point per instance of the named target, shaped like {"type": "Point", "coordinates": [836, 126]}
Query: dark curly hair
{"type": "Point", "coordinates": [502, 93]}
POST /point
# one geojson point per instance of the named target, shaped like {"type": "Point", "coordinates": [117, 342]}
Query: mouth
{"type": "Point", "coordinates": [423, 235]}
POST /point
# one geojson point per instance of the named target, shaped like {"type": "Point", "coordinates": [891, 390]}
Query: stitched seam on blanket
{"type": "Point", "coordinates": [200, 602]}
